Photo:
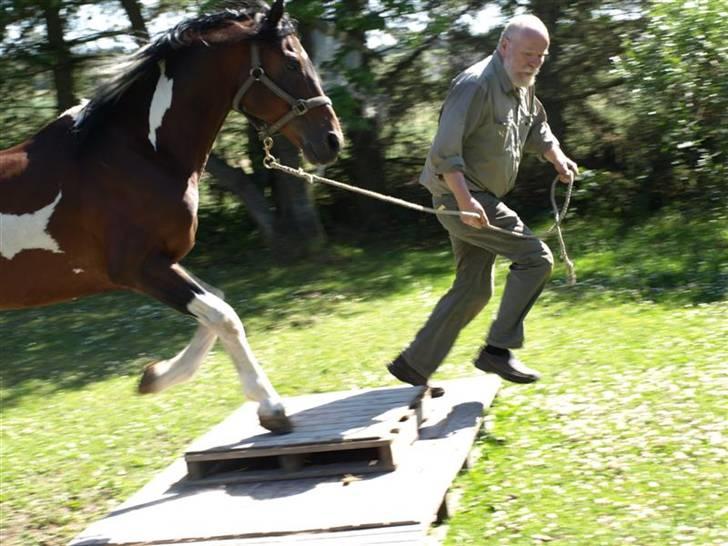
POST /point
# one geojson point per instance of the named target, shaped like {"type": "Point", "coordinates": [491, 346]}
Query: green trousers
{"type": "Point", "coordinates": [475, 251]}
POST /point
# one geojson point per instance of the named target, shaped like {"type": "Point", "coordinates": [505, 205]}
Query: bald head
{"type": "Point", "coordinates": [528, 24]}
{"type": "Point", "coordinates": [524, 45]}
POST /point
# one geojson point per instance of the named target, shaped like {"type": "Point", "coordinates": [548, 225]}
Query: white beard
{"type": "Point", "coordinates": [520, 80]}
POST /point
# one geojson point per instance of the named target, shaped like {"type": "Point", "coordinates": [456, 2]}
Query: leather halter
{"type": "Point", "coordinates": [299, 107]}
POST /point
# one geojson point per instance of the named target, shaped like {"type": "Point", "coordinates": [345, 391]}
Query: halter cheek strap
{"type": "Point", "coordinates": [299, 107]}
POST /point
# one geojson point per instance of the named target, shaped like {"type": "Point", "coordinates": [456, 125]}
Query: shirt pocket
{"type": "Point", "coordinates": [500, 135]}
{"type": "Point", "coordinates": [524, 128]}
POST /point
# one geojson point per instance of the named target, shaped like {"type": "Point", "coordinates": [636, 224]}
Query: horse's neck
{"type": "Point", "coordinates": [182, 117]}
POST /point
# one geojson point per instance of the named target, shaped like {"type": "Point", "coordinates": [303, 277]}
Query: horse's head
{"type": "Point", "coordinates": [282, 91]}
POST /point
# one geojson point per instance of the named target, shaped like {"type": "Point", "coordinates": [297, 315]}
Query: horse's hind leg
{"type": "Point", "coordinates": [171, 284]}
{"type": "Point", "coordinates": [166, 373]}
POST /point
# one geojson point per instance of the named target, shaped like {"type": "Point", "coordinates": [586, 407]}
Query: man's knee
{"type": "Point", "coordinates": [539, 259]}
{"type": "Point", "coordinates": [547, 257]}
{"type": "Point", "coordinates": [476, 291]}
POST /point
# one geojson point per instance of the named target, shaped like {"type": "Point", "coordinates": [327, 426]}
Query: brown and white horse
{"type": "Point", "coordinates": [105, 197]}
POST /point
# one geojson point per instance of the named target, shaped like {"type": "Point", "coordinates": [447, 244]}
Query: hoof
{"type": "Point", "coordinates": [147, 384]}
{"type": "Point", "coordinates": [277, 423]}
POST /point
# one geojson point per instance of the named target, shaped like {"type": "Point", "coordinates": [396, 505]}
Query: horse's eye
{"type": "Point", "coordinates": [292, 65]}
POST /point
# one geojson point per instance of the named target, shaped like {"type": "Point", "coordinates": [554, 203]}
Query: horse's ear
{"type": "Point", "coordinates": [274, 14]}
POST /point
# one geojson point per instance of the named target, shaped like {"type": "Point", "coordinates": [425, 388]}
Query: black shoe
{"type": "Point", "coordinates": [507, 366]}
{"type": "Point", "coordinates": [407, 374]}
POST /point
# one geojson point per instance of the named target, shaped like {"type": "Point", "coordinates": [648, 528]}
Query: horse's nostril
{"type": "Point", "coordinates": [334, 142]}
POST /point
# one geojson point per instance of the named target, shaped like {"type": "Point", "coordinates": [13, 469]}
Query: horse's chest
{"type": "Point", "coordinates": [181, 224]}
{"type": "Point", "coordinates": [192, 198]}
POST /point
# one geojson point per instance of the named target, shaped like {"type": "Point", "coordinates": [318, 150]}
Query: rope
{"type": "Point", "coordinates": [559, 217]}
{"type": "Point", "coordinates": [270, 162]}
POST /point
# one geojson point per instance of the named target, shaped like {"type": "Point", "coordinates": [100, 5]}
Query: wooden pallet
{"type": "Point", "coordinates": [334, 434]}
{"type": "Point", "coordinates": [394, 507]}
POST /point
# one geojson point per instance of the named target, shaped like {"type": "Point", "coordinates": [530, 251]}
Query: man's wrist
{"type": "Point", "coordinates": [552, 154]}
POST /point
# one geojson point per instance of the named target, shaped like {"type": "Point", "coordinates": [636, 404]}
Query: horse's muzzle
{"type": "Point", "coordinates": [323, 151]}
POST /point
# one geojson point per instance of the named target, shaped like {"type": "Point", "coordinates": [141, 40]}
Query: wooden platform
{"type": "Point", "coordinates": [385, 507]}
{"type": "Point", "coordinates": [334, 434]}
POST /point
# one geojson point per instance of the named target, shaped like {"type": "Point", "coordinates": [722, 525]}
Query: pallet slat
{"type": "Point", "coordinates": [371, 428]}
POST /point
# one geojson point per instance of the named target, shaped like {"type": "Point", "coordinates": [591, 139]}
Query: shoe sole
{"type": "Point", "coordinates": [435, 392]}
{"type": "Point", "coordinates": [520, 379]}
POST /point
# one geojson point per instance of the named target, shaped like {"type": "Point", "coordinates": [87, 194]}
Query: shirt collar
{"type": "Point", "coordinates": [503, 78]}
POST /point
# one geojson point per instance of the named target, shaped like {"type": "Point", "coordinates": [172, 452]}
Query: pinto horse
{"type": "Point", "coordinates": [105, 197]}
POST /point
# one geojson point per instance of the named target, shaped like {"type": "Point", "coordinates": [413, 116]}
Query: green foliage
{"type": "Point", "coordinates": [619, 423]}
{"type": "Point", "coordinates": [621, 442]}
{"type": "Point", "coordinates": [677, 82]}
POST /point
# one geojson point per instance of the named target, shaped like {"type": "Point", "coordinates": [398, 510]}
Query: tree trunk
{"type": "Point", "coordinates": [367, 155]}
{"type": "Point", "coordinates": [139, 27]}
{"type": "Point", "coordinates": [298, 231]}
{"type": "Point", "coordinates": [549, 11]}
{"type": "Point", "coordinates": [60, 56]}
{"type": "Point", "coordinates": [236, 181]}
{"type": "Point", "coordinates": [291, 228]}
{"type": "Point", "coordinates": [368, 170]}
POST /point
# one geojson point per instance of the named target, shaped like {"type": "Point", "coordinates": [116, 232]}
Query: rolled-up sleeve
{"type": "Point", "coordinates": [540, 138]}
{"type": "Point", "coordinates": [461, 113]}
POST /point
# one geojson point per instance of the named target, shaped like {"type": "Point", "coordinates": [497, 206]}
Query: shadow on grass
{"type": "Point", "coordinates": [666, 259]}
{"type": "Point", "coordinates": [70, 345]}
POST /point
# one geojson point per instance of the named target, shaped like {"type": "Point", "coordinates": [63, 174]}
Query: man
{"type": "Point", "coordinates": [490, 117]}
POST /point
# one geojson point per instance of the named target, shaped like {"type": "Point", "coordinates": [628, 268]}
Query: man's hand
{"type": "Point", "coordinates": [472, 205]}
{"type": "Point", "coordinates": [466, 202]}
{"type": "Point", "coordinates": [566, 168]}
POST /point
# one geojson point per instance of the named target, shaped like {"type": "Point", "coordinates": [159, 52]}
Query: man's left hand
{"type": "Point", "coordinates": [566, 167]}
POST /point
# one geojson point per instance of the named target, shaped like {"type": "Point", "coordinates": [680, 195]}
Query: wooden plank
{"type": "Point", "coordinates": [225, 464]}
{"type": "Point", "coordinates": [314, 447]}
{"type": "Point", "coordinates": [166, 511]}
{"type": "Point", "coordinates": [375, 424]}
{"type": "Point", "coordinates": [400, 535]}
{"type": "Point", "coordinates": [329, 417]}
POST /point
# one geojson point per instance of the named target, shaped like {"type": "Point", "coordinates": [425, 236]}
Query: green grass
{"type": "Point", "coordinates": [622, 442]}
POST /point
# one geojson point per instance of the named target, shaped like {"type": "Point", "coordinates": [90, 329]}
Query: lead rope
{"type": "Point", "coordinates": [270, 162]}
{"type": "Point", "coordinates": [559, 217]}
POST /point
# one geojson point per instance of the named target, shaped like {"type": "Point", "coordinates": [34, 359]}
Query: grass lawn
{"type": "Point", "coordinates": [622, 442]}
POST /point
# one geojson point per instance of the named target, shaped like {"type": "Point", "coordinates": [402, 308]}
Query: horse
{"type": "Point", "coordinates": [105, 197]}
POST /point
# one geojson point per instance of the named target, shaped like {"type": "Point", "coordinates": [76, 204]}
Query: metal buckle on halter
{"type": "Point", "coordinates": [300, 107]}
{"type": "Point", "coordinates": [257, 73]}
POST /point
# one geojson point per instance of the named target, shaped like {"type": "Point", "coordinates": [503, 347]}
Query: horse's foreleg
{"type": "Point", "coordinates": [166, 373]}
{"type": "Point", "coordinates": [161, 375]}
{"type": "Point", "coordinates": [171, 284]}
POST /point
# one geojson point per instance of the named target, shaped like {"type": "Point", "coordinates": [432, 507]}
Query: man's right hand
{"type": "Point", "coordinates": [466, 202]}
{"type": "Point", "coordinates": [472, 205]}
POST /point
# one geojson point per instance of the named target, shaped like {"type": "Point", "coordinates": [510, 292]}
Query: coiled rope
{"type": "Point", "coordinates": [270, 162]}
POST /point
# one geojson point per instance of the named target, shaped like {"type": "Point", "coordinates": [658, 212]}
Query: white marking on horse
{"type": "Point", "coordinates": [75, 111]}
{"type": "Point", "coordinates": [222, 320]}
{"type": "Point", "coordinates": [182, 367]}
{"type": "Point", "coordinates": [161, 102]}
{"type": "Point", "coordinates": [20, 232]}
{"type": "Point", "coordinates": [77, 270]}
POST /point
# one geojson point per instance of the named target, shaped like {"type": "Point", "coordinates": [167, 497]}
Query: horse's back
{"type": "Point", "coordinates": [45, 250]}
{"type": "Point", "coordinates": [34, 168]}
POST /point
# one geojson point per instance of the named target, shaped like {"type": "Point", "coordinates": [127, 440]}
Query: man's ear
{"type": "Point", "coordinates": [502, 45]}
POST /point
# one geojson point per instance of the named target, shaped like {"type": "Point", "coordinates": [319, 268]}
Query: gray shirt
{"type": "Point", "coordinates": [485, 127]}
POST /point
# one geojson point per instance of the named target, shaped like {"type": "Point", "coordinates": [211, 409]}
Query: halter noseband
{"type": "Point", "coordinates": [299, 107]}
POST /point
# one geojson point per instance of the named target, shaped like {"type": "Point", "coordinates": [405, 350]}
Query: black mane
{"type": "Point", "coordinates": [147, 58]}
